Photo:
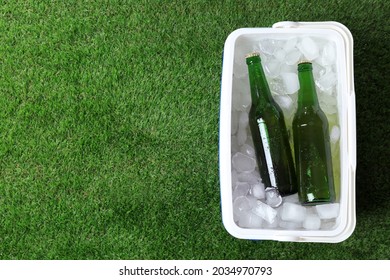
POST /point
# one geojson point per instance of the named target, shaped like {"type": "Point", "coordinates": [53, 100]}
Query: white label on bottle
{"type": "Point", "coordinates": [267, 150]}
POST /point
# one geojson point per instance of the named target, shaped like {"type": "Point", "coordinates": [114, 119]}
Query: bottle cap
{"type": "Point", "coordinates": [304, 61]}
{"type": "Point", "coordinates": [252, 54]}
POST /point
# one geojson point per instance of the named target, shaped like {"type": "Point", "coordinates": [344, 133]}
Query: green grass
{"type": "Point", "coordinates": [109, 118]}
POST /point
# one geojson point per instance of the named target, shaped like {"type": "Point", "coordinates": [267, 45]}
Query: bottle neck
{"type": "Point", "coordinates": [307, 96]}
{"type": "Point", "coordinates": [260, 91]}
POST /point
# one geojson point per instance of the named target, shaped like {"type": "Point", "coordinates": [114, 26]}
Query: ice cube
{"type": "Point", "coordinates": [234, 122]}
{"type": "Point", "coordinates": [240, 70]}
{"type": "Point", "coordinates": [243, 163]}
{"type": "Point", "coordinates": [236, 217]}
{"type": "Point", "coordinates": [265, 211]}
{"type": "Point", "coordinates": [243, 120]}
{"type": "Point", "coordinates": [293, 198]}
{"type": "Point", "coordinates": [252, 200]}
{"type": "Point", "coordinates": [246, 100]}
{"type": "Point", "coordinates": [328, 55]}
{"type": "Point", "coordinates": [285, 68]}
{"type": "Point", "coordinates": [328, 108]}
{"type": "Point", "coordinates": [292, 57]}
{"type": "Point", "coordinates": [235, 146]}
{"type": "Point", "coordinates": [312, 222]}
{"type": "Point", "coordinates": [328, 224]}
{"type": "Point", "coordinates": [292, 212]}
{"type": "Point", "coordinates": [318, 70]}
{"type": "Point", "coordinates": [244, 46]}
{"type": "Point", "coordinates": [276, 86]}
{"type": "Point", "coordinates": [268, 46]}
{"type": "Point", "coordinates": [257, 190]}
{"type": "Point", "coordinates": [327, 81]}
{"type": "Point", "coordinates": [234, 177]}
{"type": "Point", "coordinates": [248, 150]}
{"type": "Point", "coordinates": [250, 220]}
{"type": "Point", "coordinates": [284, 101]}
{"type": "Point", "coordinates": [237, 101]}
{"type": "Point", "coordinates": [329, 91]}
{"type": "Point", "coordinates": [274, 224]}
{"type": "Point", "coordinates": [241, 98]}
{"type": "Point", "coordinates": [290, 225]}
{"type": "Point", "coordinates": [263, 57]}
{"type": "Point", "coordinates": [241, 189]}
{"type": "Point", "coordinates": [311, 210]}
{"type": "Point", "coordinates": [308, 48]}
{"type": "Point", "coordinates": [241, 51]}
{"type": "Point", "coordinates": [242, 135]}
{"type": "Point", "coordinates": [249, 140]}
{"type": "Point", "coordinates": [290, 44]}
{"type": "Point", "coordinates": [328, 211]}
{"type": "Point", "coordinates": [280, 54]}
{"type": "Point", "coordinates": [287, 104]}
{"type": "Point", "coordinates": [328, 103]}
{"type": "Point", "coordinates": [241, 204]}
{"type": "Point", "coordinates": [290, 82]}
{"type": "Point", "coordinates": [272, 68]}
{"type": "Point", "coordinates": [272, 197]}
{"type": "Point", "coordinates": [334, 134]}
{"type": "Point", "coordinates": [251, 178]}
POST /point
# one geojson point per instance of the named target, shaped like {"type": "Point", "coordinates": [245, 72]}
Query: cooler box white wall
{"type": "Point", "coordinates": [342, 38]}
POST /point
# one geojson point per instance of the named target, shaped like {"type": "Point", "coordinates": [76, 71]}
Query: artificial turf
{"type": "Point", "coordinates": [109, 119]}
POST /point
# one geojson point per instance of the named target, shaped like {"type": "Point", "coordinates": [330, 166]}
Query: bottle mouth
{"type": "Point", "coordinates": [304, 65]}
{"type": "Point", "coordinates": [304, 61]}
{"type": "Point", "coordinates": [252, 54]}
{"type": "Point", "coordinates": [252, 57]}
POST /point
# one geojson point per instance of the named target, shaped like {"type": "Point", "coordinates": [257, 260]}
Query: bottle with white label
{"type": "Point", "coordinates": [269, 133]}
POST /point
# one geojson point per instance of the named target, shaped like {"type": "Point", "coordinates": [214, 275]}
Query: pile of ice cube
{"type": "Point", "coordinates": [279, 59]}
{"type": "Point", "coordinates": [250, 208]}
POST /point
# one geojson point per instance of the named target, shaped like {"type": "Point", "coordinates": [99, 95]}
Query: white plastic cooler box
{"type": "Point", "coordinates": [342, 38]}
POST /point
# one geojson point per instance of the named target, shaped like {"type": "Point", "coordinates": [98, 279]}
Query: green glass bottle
{"type": "Point", "coordinates": [269, 133]}
{"type": "Point", "coordinates": [311, 144]}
